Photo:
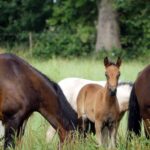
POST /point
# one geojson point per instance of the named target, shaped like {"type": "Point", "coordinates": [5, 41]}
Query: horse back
{"type": "Point", "coordinates": [89, 91]}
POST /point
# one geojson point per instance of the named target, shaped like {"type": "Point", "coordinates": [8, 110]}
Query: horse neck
{"type": "Point", "coordinates": [67, 116]}
{"type": "Point", "coordinates": [108, 98]}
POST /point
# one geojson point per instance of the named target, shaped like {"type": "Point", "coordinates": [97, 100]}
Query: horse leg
{"type": "Point", "coordinates": [113, 132]}
{"type": "Point", "coordinates": [146, 123]}
{"type": "Point", "coordinates": [84, 125]}
{"type": "Point", "coordinates": [62, 134]}
{"type": "Point", "coordinates": [80, 124]}
{"type": "Point", "coordinates": [105, 135]}
{"type": "Point", "coordinates": [98, 128]}
{"type": "Point", "coordinates": [81, 119]}
{"type": "Point", "coordinates": [90, 128]}
{"type": "Point", "coordinates": [14, 124]}
{"type": "Point", "coordinates": [12, 127]}
{"type": "Point", "coordinates": [51, 132]}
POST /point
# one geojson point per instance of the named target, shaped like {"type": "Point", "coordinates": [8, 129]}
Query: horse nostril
{"type": "Point", "coordinates": [113, 91]}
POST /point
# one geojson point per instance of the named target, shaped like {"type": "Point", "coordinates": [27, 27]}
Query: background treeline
{"type": "Point", "coordinates": [68, 27]}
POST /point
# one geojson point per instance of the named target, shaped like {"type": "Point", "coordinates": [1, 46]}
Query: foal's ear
{"type": "Point", "coordinates": [118, 63]}
{"type": "Point", "coordinates": [106, 62]}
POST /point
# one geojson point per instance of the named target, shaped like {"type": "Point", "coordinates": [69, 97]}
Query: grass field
{"type": "Point", "coordinates": [58, 69]}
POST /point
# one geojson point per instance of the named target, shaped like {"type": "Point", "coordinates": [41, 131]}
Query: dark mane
{"type": "Point", "coordinates": [125, 83]}
{"type": "Point", "coordinates": [66, 109]}
{"type": "Point", "coordinates": [112, 63]}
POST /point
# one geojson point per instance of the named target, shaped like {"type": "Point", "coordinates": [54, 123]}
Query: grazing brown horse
{"type": "Point", "coordinates": [139, 104]}
{"type": "Point", "coordinates": [24, 90]}
{"type": "Point", "coordinates": [100, 105]}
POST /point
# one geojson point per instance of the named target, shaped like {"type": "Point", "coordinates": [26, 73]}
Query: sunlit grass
{"type": "Point", "coordinates": [58, 69]}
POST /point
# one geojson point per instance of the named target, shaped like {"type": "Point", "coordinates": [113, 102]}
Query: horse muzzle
{"type": "Point", "coordinates": [113, 91]}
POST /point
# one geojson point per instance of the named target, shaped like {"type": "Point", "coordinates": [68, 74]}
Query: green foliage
{"type": "Point", "coordinates": [135, 26]}
{"type": "Point", "coordinates": [68, 27]}
{"type": "Point", "coordinates": [22, 16]}
{"type": "Point", "coordinates": [71, 31]}
{"type": "Point", "coordinates": [64, 43]}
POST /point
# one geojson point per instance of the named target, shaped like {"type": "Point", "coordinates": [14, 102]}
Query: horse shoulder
{"type": "Point", "coordinates": [99, 104]}
{"type": "Point", "coordinates": [100, 95]}
{"type": "Point", "coordinates": [116, 110]}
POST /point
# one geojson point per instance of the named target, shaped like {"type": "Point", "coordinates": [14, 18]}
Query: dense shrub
{"type": "Point", "coordinates": [63, 42]}
{"type": "Point", "coordinates": [135, 26]}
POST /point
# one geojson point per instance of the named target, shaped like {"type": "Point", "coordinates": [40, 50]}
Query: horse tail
{"type": "Point", "coordinates": [134, 118]}
{"type": "Point", "coordinates": [68, 113]}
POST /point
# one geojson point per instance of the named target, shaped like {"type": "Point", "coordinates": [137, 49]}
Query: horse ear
{"type": "Point", "coordinates": [106, 61]}
{"type": "Point", "coordinates": [118, 63]}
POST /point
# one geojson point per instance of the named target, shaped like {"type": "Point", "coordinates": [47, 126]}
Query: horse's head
{"type": "Point", "coordinates": [112, 74]}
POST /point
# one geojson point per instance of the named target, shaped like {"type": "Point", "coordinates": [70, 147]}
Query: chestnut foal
{"type": "Point", "coordinates": [100, 105]}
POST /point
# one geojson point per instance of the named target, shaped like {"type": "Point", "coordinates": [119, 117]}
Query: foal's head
{"type": "Point", "coordinates": [112, 74]}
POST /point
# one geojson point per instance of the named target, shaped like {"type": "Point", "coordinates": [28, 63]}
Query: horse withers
{"type": "Point", "coordinates": [23, 90]}
{"type": "Point", "coordinates": [139, 104]}
{"type": "Point", "coordinates": [100, 105]}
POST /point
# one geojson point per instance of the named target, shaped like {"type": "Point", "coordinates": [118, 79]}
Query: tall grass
{"type": "Point", "coordinates": [57, 69]}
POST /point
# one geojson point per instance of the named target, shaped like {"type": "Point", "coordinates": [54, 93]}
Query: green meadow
{"type": "Point", "coordinates": [58, 69]}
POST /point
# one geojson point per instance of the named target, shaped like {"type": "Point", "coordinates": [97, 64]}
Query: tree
{"type": "Point", "coordinates": [134, 23]}
{"type": "Point", "coordinates": [108, 36]}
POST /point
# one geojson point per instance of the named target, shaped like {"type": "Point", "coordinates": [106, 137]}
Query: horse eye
{"type": "Point", "coordinates": [118, 75]}
{"type": "Point", "coordinates": [106, 75]}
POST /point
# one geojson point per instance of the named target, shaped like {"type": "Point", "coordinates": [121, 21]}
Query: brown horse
{"type": "Point", "coordinates": [139, 103]}
{"type": "Point", "coordinates": [24, 90]}
{"type": "Point", "coordinates": [99, 105]}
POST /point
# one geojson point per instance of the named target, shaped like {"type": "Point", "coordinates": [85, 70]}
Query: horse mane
{"type": "Point", "coordinates": [125, 83]}
{"type": "Point", "coordinates": [68, 115]}
{"type": "Point", "coordinates": [66, 108]}
{"type": "Point", "coordinates": [112, 63]}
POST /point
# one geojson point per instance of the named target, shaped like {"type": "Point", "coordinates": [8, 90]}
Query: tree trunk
{"type": "Point", "coordinates": [108, 34]}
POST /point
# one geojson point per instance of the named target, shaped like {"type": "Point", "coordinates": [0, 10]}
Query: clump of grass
{"type": "Point", "coordinates": [35, 139]}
